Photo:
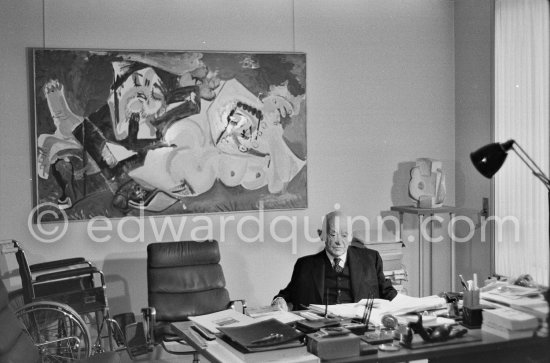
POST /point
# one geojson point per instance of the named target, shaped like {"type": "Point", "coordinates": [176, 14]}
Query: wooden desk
{"type": "Point", "coordinates": [490, 348]}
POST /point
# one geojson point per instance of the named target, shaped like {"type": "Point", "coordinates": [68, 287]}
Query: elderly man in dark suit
{"type": "Point", "coordinates": [339, 274]}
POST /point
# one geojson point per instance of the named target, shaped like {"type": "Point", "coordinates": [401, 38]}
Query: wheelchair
{"type": "Point", "coordinates": [64, 307]}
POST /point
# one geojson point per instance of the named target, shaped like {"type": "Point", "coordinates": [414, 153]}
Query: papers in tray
{"type": "Point", "coordinates": [263, 335]}
{"type": "Point", "coordinates": [222, 318]}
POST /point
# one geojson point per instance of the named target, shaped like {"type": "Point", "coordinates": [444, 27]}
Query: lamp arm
{"type": "Point", "coordinates": [537, 171]}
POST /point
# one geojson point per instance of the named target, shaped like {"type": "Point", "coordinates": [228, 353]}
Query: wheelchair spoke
{"type": "Point", "coordinates": [58, 331]}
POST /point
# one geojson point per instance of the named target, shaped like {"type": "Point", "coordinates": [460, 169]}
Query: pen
{"type": "Point", "coordinates": [269, 338]}
{"type": "Point", "coordinates": [365, 312]}
{"type": "Point", "coordinates": [463, 282]}
{"type": "Point", "coordinates": [370, 311]}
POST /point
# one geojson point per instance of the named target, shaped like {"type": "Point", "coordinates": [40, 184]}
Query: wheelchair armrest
{"type": "Point", "coordinates": [52, 265]}
{"type": "Point", "coordinates": [83, 271]}
{"type": "Point", "coordinates": [231, 304]}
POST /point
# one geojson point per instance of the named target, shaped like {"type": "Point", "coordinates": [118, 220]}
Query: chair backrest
{"type": "Point", "coordinates": [185, 279]}
{"type": "Point", "coordinates": [15, 343]}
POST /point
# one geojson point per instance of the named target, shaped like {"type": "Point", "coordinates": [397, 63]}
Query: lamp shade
{"type": "Point", "coordinates": [489, 158]}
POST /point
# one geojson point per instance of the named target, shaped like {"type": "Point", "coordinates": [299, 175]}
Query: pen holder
{"type": "Point", "coordinates": [472, 317]}
{"type": "Point", "coordinates": [471, 299]}
{"type": "Point", "coordinates": [471, 309]}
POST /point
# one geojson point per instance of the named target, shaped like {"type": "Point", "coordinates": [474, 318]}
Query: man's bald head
{"type": "Point", "coordinates": [335, 232]}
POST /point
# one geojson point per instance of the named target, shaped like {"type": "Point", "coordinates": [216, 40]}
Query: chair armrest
{"type": "Point", "coordinates": [149, 315]}
{"type": "Point", "coordinates": [243, 304]}
{"type": "Point", "coordinates": [83, 271]}
{"type": "Point", "coordinates": [52, 265]}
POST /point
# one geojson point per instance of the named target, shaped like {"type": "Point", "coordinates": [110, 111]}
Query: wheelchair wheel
{"type": "Point", "coordinates": [57, 330]}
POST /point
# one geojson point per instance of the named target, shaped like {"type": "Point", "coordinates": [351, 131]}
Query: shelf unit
{"type": "Point", "coordinates": [422, 213]}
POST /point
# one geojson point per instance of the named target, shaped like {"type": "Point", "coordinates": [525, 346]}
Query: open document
{"type": "Point", "coordinates": [224, 318]}
{"type": "Point", "coordinates": [401, 304]}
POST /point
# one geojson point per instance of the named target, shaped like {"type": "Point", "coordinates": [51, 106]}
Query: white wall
{"type": "Point", "coordinates": [380, 93]}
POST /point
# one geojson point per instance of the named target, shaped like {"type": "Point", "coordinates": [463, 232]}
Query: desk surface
{"type": "Point", "coordinates": [220, 352]}
{"type": "Point", "coordinates": [485, 349]}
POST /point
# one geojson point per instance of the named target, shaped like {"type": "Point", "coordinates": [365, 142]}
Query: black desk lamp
{"type": "Point", "coordinates": [488, 161]}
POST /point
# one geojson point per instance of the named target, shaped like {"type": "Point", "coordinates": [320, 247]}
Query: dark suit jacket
{"type": "Point", "coordinates": [307, 285]}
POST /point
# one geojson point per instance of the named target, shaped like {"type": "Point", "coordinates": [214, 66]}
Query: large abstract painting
{"type": "Point", "coordinates": [120, 133]}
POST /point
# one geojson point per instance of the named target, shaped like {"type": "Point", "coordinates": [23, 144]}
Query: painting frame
{"type": "Point", "coordinates": [154, 132]}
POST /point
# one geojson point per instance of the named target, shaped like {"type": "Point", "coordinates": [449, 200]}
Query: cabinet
{"type": "Point", "coordinates": [425, 228]}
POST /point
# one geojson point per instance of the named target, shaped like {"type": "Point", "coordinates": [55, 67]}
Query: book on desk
{"type": "Point", "coordinates": [509, 323]}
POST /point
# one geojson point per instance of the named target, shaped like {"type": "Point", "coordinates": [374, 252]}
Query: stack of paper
{"type": "Point", "coordinates": [528, 300]}
{"type": "Point", "coordinates": [397, 277]}
{"type": "Point", "coordinates": [390, 250]}
{"type": "Point", "coordinates": [509, 323]}
{"type": "Point", "coordinates": [401, 304]}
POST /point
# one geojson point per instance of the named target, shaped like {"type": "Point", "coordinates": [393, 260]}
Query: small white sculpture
{"type": "Point", "coordinates": [427, 184]}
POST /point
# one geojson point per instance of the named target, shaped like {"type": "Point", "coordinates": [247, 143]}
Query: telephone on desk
{"type": "Point", "coordinates": [431, 335]}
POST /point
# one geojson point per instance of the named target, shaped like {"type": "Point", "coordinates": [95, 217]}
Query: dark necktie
{"type": "Point", "coordinates": [337, 266]}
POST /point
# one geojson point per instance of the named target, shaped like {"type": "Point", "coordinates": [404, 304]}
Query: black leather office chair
{"type": "Point", "coordinates": [183, 279]}
{"type": "Point", "coordinates": [17, 346]}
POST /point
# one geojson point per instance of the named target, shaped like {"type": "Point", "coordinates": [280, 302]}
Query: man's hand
{"type": "Point", "coordinates": [280, 304]}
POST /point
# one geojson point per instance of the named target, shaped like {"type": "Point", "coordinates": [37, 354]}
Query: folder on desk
{"type": "Point", "coordinates": [265, 335]}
